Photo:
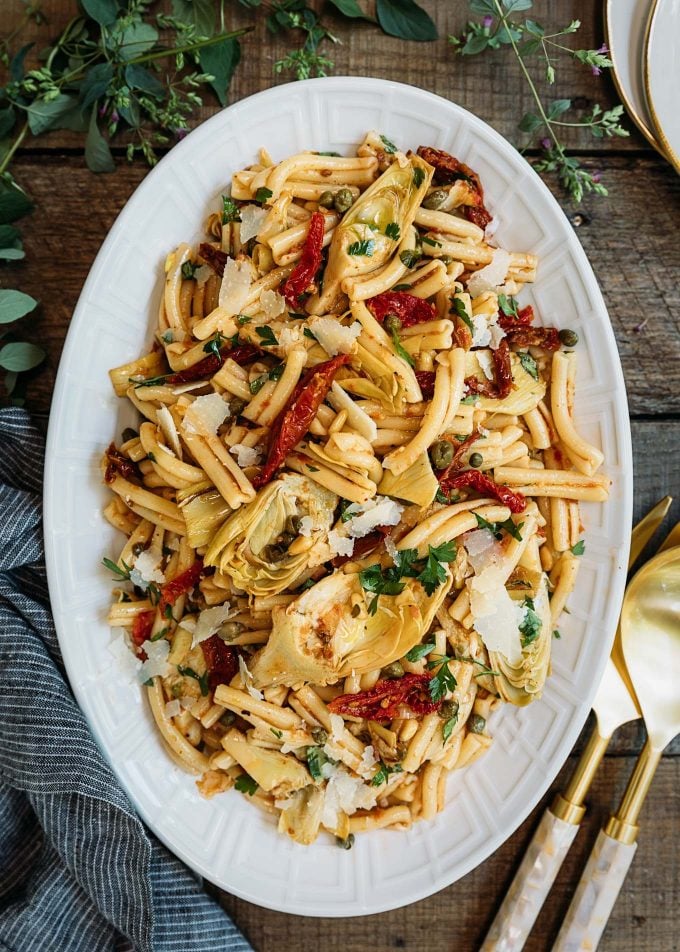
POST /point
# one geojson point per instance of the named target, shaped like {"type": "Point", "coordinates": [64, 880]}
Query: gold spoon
{"type": "Point", "coordinates": [613, 706]}
{"type": "Point", "coordinates": [650, 639]}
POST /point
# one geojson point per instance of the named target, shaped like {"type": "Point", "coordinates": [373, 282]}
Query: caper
{"type": "Point", "coordinates": [231, 630]}
{"type": "Point", "coordinates": [476, 460]}
{"type": "Point", "coordinates": [293, 525]}
{"type": "Point", "coordinates": [319, 734]}
{"type": "Point", "coordinates": [343, 200]}
{"type": "Point", "coordinates": [129, 434]}
{"type": "Point", "coordinates": [138, 548]}
{"type": "Point", "coordinates": [394, 670]}
{"type": "Point", "coordinates": [227, 719]}
{"type": "Point", "coordinates": [236, 406]}
{"type": "Point", "coordinates": [177, 690]}
{"type": "Point", "coordinates": [477, 723]}
{"type": "Point", "coordinates": [446, 259]}
{"type": "Point", "coordinates": [356, 611]}
{"type": "Point", "coordinates": [326, 199]}
{"type": "Point", "coordinates": [345, 843]}
{"type": "Point", "coordinates": [448, 709]}
{"type": "Point", "coordinates": [435, 199]}
{"type": "Point", "coordinates": [441, 454]}
{"type": "Point", "coordinates": [392, 324]}
{"type": "Point", "coordinates": [568, 337]}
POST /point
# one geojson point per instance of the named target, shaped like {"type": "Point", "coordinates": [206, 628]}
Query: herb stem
{"type": "Point", "coordinates": [190, 47]}
{"type": "Point", "coordinates": [13, 148]}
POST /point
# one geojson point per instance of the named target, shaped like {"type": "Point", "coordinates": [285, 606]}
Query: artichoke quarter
{"type": "Point", "coordinates": [328, 632]}
{"type": "Point", "coordinates": [252, 545]}
{"type": "Point", "coordinates": [522, 682]}
{"type": "Point", "coordinates": [367, 236]}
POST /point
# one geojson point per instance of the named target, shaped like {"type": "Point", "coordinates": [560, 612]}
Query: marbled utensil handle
{"type": "Point", "coordinates": [531, 885]}
{"type": "Point", "coordinates": [595, 895]}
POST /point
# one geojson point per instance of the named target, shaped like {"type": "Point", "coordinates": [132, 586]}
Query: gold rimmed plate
{"type": "Point", "coordinates": [662, 75]}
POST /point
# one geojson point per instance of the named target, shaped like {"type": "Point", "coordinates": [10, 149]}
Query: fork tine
{"type": "Point", "coordinates": [672, 539]}
{"type": "Point", "coordinates": [646, 528]}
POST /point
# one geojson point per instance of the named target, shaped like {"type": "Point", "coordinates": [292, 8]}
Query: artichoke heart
{"type": "Point", "coordinates": [251, 547]}
{"type": "Point", "coordinates": [328, 632]}
{"type": "Point", "coordinates": [273, 771]}
{"type": "Point", "coordinates": [301, 817]}
{"type": "Point", "coordinates": [522, 683]}
{"type": "Point", "coordinates": [360, 243]}
{"type": "Point", "coordinates": [526, 393]}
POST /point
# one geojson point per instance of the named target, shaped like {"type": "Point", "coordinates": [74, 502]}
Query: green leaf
{"type": "Point", "coordinates": [197, 13]}
{"type": "Point", "coordinates": [138, 77]}
{"type": "Point", "coordinates": [529, 364]}
{"type": "Point", "coordinates": [475, 44]}
{"type": "Point", "coordinates": [579, 548]}
{"type": "Point", "coordinates": [529, 122]}
{"type": "Point", "coordinates": [557, 107]}
{"type": "Point", "coordinates": [400, 350]}
{"type": "Point", "coordinates": [49, 115]}
{"type": "Point", "coordinates": [220, 61]}
{"type": "Point", "coordinates": [316, 758]}
{"type": "Point", "coordinates": [14, 305]}
{"type": "Point", "coordinates": [230, 210]}
{"type": "Point", "coordinates": [447, 728]}
{"type": "Point", "coordinates": [351, 8]}
{"type": "Point", "coordinates": [531, 626]}
{"type": "Point", "coordinates": [393, 231]}
{"type": "Point", "coordinates": [97, 81]}
{"type": "Point", "coordinates": [133, 40]}
{"type": "Point", "coordinates": [262, 195]}
{"type": "Point", "coordinates": [14, 202]}
{"type": "Point", "coordinates": [97, 152]}
{"type": "Point", "coordinates": [245, 784]}
{"type": "Point", "coordinates": [390, 147]}
{"type": "Point", "coordinates": [362, 248]}
{"type": "Point", "coordinates": [415, 654]}
{"type": "Point", "coordinates": [267, 336]}
{"type": "Point", "coordinates": [12, 254]}
{"type": "Point", "coordinates": [20, 356]}
{"type": "Point", "coordinates": [16, 67]}
{"type": "Point", "coordinates": [483, 7]}
{"type": "Point", "coordinates": [406, 20]}
{"type": "Point", "coordinates": [104, 12]}
{"type": "Point", "coordinates": [7, 120]}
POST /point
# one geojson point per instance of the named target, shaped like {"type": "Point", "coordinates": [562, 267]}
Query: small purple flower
{"type": "Point", "coordinates": [180, 133]}
{"type": "Point", "coordinates": [546, 143]}
{"type": "Point", "coordinates": [595, 70]}
{"type": "Point", "coordinates": [487, 21]}
{"type": "Point", "coordinates": [102, 110]}
{"type": "Point", "coordinates": [603, 49]}
{"type": "Point", "coordinates": [115, 116]}
{"type": "Point", "coordinates": [596, 176]}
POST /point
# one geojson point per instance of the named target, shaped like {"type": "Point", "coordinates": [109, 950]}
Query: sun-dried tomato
{"type": "Point", "coordinates": [407, 307]}
{"type": "Point", "coordinates": [213, 257]}
{"type": "Point", "coordinates": [119, 465]}
{"type": "Point", "coordinates": [459, 450]}
{"type": "Point", "coordinates": [221, 661]}
{"type": "Point", "coordinates": [546, 337]}
{"type": "Point", "coordinates": [425, 379]}
{"type": "Point", "coordinates": [211, 364]}
{"type": "Point", "coordinates": [296, 417]}
{"type": "Point", "coordinates": [481, 483]}
{"type": "Point", "coordinates": [502, 385]}
{"type": "Point", "coordinates": [305, 270]}
{"type": "Point", "coordinates": [362, 546]}
{"type": "Point", "coordinates": [524, 317]}
{"type": "Point", "coordinates": [447, 170]}
{"type": "Point", "coordinates": [382, 702]}
{"type": "Point", "coordinates": [141, 627]}
{"type": "Point", "coordinates": [172, 590]}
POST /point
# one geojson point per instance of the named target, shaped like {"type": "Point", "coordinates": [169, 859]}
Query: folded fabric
{"type": "Point", "coordinates": [78, 870]}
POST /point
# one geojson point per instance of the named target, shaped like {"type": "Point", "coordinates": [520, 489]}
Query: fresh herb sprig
{"type": "Point", "coordinates": [501, 26]}
{"type": "Point", "coordinates": [430, 572]}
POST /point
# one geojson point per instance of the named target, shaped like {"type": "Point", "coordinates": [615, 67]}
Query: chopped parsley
{"type": "Point", "coordinates": [459, 309]}
{"type": "Point", "coordinates": [443, 681]}
{"type": "Point", "coordinates": [345, 514]}
{"type": "Point", "coordinates": [277, 733]}
{"type": "Point", "coordinates": [121, 573]}
{"type": "Point", "coordinates": [579, 548]}
{"type": "Point", "coordinates": [230, 210]}
{"type": "Point", "coordinates": [556, 634]}
{"type": "Point", "coordinates": [383, 772]}
{"type": "Point", "coordinates": [214, 344]}
{"type": "Point", "coordinates": [508, 305]}
{"type": "Point", "coordinates": [243, 319]}
{"type": "Point", "coordinates": [258, 383]}
{"type": "Point", "coordinates": [400, 349]}
{"type": "Point", "coordinates": [419, 651]}
{"type": "Point", "coordinates": [508, 525]}
{"type": "Point", "coordinates": [393, 231]}
{"type": "Point", "coordinates": [277, 372]}
{"type": "Point", "coordinates": [312, 469]}
{"type": "Point", "coordinates": [362, 248]}
{"type": "Point", "coordinates": [310, 583]}
{"type": "Point", "coordinates": [402, 287]}
{"type": "Point", "coordinates": [429, 572]}
{"type": "Point", "coordinates": [160, 634]}
{"type": "Point", "coordinates": [188, 270]}
{"type": "Point", "coordinates": [470, 400]}
{"type": "Point", "coordinates": [262, 195]}
{"type": "Point", "coordinates": [530, 628]}
{"type": "Point", "coordinates": [308, 333]}
{"type": "Point", "coordinates": [316, 758]}
{"type": "Point", "coordinates": [267, 336]}
{"type": "Point", "coordinates": [432, 242]}
{"type": "Point", "coordinates": [434, 574]}
{"type": "Point", "coordinates": [410, 257]}
{"type": "Point", "coordinates": [447, 499]}
{"type": "Point", "coordinates": [390, 147]}
{"type": "Point", "coordinates": [447, 727]}
{"type": "Point", "coordinates": [201, 678]}
{"type": "Point", "coordinates": [528, 363]}
{"type": "Point", "coordinates": [333, 154]}
{"type": "Point", "coordinates": [245, 784]}
{"type": "Point", "coordinates": [168, 337]}
{"type": "Point", "coordinates": [418, 177]}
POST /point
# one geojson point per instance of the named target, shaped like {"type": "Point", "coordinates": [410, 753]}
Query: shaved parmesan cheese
{"type": "Point", "coordinates": [121, 649]}
{"type": "Point", "coordinates": [252, 219]}
{"type": "Point", "coordinates": [482, 549]}
{"type": "Point", "coordinates": [289, 337]}
{"type": "Point", "coordinates": [491, 228]}
{"type": "Point", "coordinates": [167, 425]}
{"type": "Point", "coordinates": [333, 336]}
{"type": "Point", "coordinates": [209, 621]}
{"type": "Point", "coordinates": [391, 549]}
{"type": "Point", "coordinates": [495, 616]}
{"type": "Point", "coordinates": [344, 794]}
{"type": "Point", "coordinates": [340, 544]}
{"type": "Point", "coordinates": [202, 274]}
{"type": "Point", "coordinates": [496, 332]}
{"type": "Point", "coordinates": [491, 275]}
{"type": "Point", "coordinates": [306, 526]}
{"type": "Point", "coordinates": [481, 336]}
{"type": "Point", "coordinates": [272, 303]}
{"type": "Point", "coordinates": [246, 455]}
{"type": "Point", "coordinates": [235, 287]}
{"type": "Point", "coordinates": [337, 727]}
{"type": "Point", "coordinates": [367, 762]}
{"type": "Point", "coordinates": [485, 361]}
{"type": "Point", "coordinates": [172, 708]}
{"type": "Point", "coordinates": [146, 568]}
{"type": "Point", "coordinates": [366, 516]}
{"type": "Point", "coordinates": [156, 663]}
{"type": "Point", "coordinates": [247, 679]}
{"type": "Point", "coordinates": [206, 414]}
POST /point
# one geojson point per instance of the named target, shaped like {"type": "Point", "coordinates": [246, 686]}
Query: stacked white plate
{"type": "Point", "coordinates": [644, 39]}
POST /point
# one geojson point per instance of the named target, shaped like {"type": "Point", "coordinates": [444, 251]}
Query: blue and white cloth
{"type": "Point", "coordinates": [78, 870]}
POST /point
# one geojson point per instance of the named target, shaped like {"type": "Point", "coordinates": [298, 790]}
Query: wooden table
{"type": "Point", "coordinates": [632, 241]}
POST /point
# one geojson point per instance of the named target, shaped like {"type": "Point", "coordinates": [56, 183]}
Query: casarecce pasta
{"type": "Point", "coordinates": [351, 505]}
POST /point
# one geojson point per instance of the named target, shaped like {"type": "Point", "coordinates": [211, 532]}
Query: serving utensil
{"type": "Point", "coordinates": [614, 705]}
{"type": "Point", "coordinates": [650, 638]}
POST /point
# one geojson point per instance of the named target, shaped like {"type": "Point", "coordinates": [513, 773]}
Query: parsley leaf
{"type": "Point", "coordinates": [308, 333]}
{"type": "Point", "coordinates": [277, 372]}
{"type": "Point", "coordinates": [230, 210]}
{"type": "Point", "coordinates": [262, 195]}
{"type": "Point", "coordinates": [257, 384]}
{"type": "Point", "coordinates": [434, 574]}
{"type": "Point", "coordinates": [388, 581]}
{"type": "Point", "coordinates": [432, 242]}
{"type": "Point", "coordinates": [400, 349]}
{"type": "Point", "coordinates": [267, 336]}
{"type": "Point", "coordinates": [459, 309]}
{"type": "Point", "coordinates": [418, 177]}
{"type": "Point", "coordinates": [556, 634]}
{"type": "Point", "coordinates": [444, 680]}
{"type": "Point", "coordinates": [508, 305]}
{"type": "Point", "coordinates": [362, 248]}
{"type": "Point", "coordinates": [390, 147]}
{"type": "Point", "coordinates": [383, 772]}
{"type": "Point", "coordinates": [508, 525]}
{"type": "Point", "coordinates": [213, 346]}
{"type": "Point", "coordinates": [201, 678]}
{"type": "Point", "coordinates": [419, 651]}
{"type": "Point", "coordinates": [579, 548]}
{"type": "Point", "coordinates": [402, 287]}
{"type": "Point", "coordinates": [393, 231]}
{"type": "Point", "coordinates": [530, 628]}
{"type": "Point", "coordinates": [316, 758]}
{"type": "Point", "coordinates": [410, 257]}
{"type": "Point", "coordinates": [245, 784]}
{"type": "Point", "coordinates": [529, 364]}
{"type": "Point", "coordinates": [188, 270]}
{"type": "Point", "coordinates": [277, 733]}
{"type": "Point", "coordinates": [121, 573]}
{"type": "Point", "coordinates": [447, 727]}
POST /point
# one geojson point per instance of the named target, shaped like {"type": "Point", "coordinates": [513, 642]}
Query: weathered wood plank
{"type": "Point", "coordinates": [630, 240]}
{"type": "Point", "coordinates": [490, 85]}
{"type": "Point", "coordinates": [645, 917]}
